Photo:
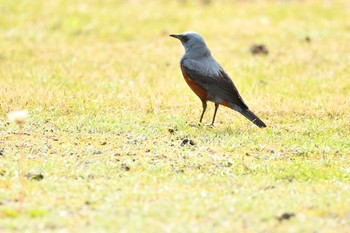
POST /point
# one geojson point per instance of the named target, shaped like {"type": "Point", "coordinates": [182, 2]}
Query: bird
{"type": "Point", "coordinates": [208, 80]}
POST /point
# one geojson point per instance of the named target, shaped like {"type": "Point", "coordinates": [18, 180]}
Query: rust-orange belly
{"type": "Point", "coordinates": [200, 92]}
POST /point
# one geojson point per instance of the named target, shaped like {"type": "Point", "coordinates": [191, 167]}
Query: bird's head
{"type": "Point", "coordinates": [191, 41]}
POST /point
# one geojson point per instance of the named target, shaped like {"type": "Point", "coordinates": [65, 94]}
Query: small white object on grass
{"type": "Point", "coordinates": [18, 117]}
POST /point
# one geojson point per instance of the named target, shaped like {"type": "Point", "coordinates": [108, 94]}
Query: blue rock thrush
{"type": "Point", "coordinates": [208, 80]}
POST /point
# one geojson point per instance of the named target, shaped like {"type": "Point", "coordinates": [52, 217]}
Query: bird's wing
{"type": "Point", "coordinates": [214, 79]}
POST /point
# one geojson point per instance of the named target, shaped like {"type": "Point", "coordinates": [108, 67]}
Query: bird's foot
{"type": "Point", "coordinates": [196, 125]}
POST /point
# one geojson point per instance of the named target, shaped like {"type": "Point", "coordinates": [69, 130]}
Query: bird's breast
{"type": "Point", "coordinates": [198, 90]}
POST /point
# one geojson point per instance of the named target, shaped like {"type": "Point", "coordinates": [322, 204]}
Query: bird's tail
{"type": "Point", "coordinates": [252, 117]}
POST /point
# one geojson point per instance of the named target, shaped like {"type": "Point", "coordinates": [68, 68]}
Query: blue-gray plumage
{"type": "Point", "coordinates": [207, 78]}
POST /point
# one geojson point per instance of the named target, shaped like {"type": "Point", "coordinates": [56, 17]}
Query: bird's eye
{"type": "Point", "coordinates": [185, 38]}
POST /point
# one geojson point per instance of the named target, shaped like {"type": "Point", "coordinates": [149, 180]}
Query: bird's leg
{"type": "Point", "coordinates": [204, 104]}
{"type": "Point", "coordinates": [216, 109]}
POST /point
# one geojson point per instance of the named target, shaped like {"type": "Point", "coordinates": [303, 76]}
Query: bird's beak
{"type": "Point", "coordinates": [177, 36]}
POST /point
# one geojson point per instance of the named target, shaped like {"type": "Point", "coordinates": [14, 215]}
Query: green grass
{"type": "Point", "coordinates": [109, 110]}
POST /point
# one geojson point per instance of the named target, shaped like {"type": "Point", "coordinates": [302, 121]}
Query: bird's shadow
{"type": "Point", "coordinates": [201, 125]}
{"type": "Point", "coordinates": [221, 128]}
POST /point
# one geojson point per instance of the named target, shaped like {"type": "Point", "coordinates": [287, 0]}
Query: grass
{"type": "Point", "coordinates": [109, 111]}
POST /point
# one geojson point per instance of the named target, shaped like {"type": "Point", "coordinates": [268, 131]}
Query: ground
{"type": "Point", "coordinates": [112, 141]}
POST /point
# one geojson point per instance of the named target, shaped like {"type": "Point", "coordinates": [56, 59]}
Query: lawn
{"type": "Point", "coordinates": [112, 141]}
